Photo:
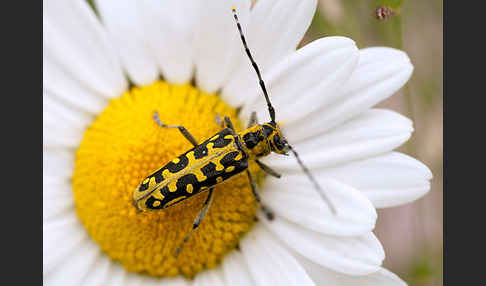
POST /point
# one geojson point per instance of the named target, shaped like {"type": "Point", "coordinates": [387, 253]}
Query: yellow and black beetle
{"type": "Point", "coordinates": [215, 160]}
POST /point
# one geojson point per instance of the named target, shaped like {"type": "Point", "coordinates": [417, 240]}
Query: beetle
{"type": "Point", "coordinates": [222, 156]}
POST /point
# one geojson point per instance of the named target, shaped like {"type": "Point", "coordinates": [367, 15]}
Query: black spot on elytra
{"type": "Point", "coordinates": [158, 178]}
{"type": "Point", "coordinates": [143, 187]}
{"type": "Point", "coordinates": [149, 203]}
{"type": "Point", "coordinates": [170, 196]}
{"type": "Point", "coordinates": [200, 151]}
{"type": "Point", "coordinates": [176, 167]}
{"type": "Point", "coordinates": [221, 142]}
{"type": "Point", "coordinates": [186, 180]}
{"type": "Point", "coordinates": [164, 191]}
{"type": "Point", "coordinates": [229, 158]}
{"type": "Point", "coordinates": [209, 170]}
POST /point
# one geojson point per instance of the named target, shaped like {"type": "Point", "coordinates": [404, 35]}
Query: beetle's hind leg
{"type": "Point", "coordinates": [198, 220]}
{"type": "Point", "coordinates": [268, 212]}
{"type": "Point", "coordinates": [229, 123]}
{"type": "Point", "coordinates": [253, 119]}
{"type": "Point", "coordinates": [182, 129]}
{"type": "Point", "coordinates": [226, 123]}
{"type": "Point", "coordinates": [219, 121]}
{"type": "Point", "coordinates": [268, 170]}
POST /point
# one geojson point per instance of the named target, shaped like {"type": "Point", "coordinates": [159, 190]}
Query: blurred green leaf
{"type": "Point", "coordinates": [395, 4]}
{"type": "Point", "coordinates": [426, 269]}
{"type": "Point", "coordinates": [321, 25]}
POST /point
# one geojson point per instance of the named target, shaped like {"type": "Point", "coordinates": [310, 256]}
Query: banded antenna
{"type": "Point", "coordinates": [271, 110]}
{"type": "Point", "coordinates": [313, 180]}
{"type": "Point", "coordinates": [253, 63]}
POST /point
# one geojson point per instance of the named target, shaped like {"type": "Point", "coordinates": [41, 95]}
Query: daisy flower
{"type": "Point", "coordinates": [105, 75]}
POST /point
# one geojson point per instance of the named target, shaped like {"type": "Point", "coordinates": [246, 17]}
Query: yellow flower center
{"type": "Point", "coordinates": [122, 147]}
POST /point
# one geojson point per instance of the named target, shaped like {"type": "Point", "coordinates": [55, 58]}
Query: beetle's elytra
{"type": "Point", "coordinates": [200, 168]}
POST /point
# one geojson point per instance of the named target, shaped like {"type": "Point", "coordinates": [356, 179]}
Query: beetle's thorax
{"type": "Point", "coordinates": [258, 140]}
{"type": "Point", "coordinates": [254, 142]}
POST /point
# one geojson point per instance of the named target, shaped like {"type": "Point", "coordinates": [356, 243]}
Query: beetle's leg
{"type": "Point", "coordinates": [182, 129]}
{"type": "Point", "coordinates": [198, 220]}
{"type": "Point", "coordinates": [268, 213]}
{"type": "Point", "coordinates": [253, 119]}
{"type": "Point", "coordinates": [219, 121]}
{"type": "Point", "coordinates": [268, 170]}
{"type": "Point", "coordinates": [228, 123]}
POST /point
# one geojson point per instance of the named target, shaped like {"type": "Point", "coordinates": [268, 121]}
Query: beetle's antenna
{"type": "Point", "coordinates": [253, 63]}
{"type": "Point", "coordinates": [313, 180]}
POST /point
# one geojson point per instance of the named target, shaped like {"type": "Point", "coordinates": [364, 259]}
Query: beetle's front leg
{"type": "Point", "coordinates": [182, 129]}
{"type": "Point", "coordinates": [267, 169]}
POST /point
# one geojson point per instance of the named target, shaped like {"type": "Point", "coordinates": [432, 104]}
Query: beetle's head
{"type": "Point", "coordinates": [275, 139]}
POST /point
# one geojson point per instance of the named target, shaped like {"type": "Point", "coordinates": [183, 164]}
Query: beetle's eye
{"type": "Point", "coordinates": [277, 141]}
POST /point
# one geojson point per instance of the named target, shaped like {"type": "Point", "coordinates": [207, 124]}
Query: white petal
{"type": "Point", "coordinates": [380, 73]}
{"type": "Point", "coordinates": [123, 21]}
{"type": "Point", "coordinates": [235, 270]}
{"type": "Point", "coordinates": [294, 198]}
{"type": "Point", "coordinates": [60, 238]}
{"type": "Point", "coordinates": [217, 42]}
{"type": "Point", "coordinates": [57, 132]}
{"type": "Point", "coordinates": [117, 276]}
{"type": "Point", "coordinates": [58, 163]}
{"type": "Point", "coordinates": [372, 55]}
{"type": "Point", "coordinates": [133, 279]}
{"type": "Point", "coordinates": [75, 269]}
{"type": "Point", "coordinates": [325, 276]}
{"type": "Point", "coordinates": [387, 180]}
{"type": "Point", "coordinates": [57, 198]}
{"type": "Point", "coordinates": [168, 28]}
{"type": "Point", "coordinates": [75, 43]}
{"type": "Point", "coordinates": [152, 281]}
{"type": "Point", "coordinates": [374, 132]}
{"type": "Point", "coordinates": [98, 274]}
{"type": "Point", "coordinates": [269, 262]}
{"type": "Point", "coordinates": [73, 116]}
{"type": "Point", "coordinates": [274, 31]}
{"type": "Point", "coordinates": [358, 255]}
{"type": "Point", "coordinates": [63, 126]}
{"type": "Point", "coordinates": [306, 79]}
{"type": "Point", "coordinates": [60, 85]}
{"type": "Point", "coordinates": [214, 277]}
